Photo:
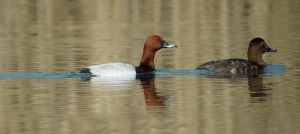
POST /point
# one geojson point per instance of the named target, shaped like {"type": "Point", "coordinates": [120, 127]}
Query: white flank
{"type": "Point", "coordinates": [114, 70]}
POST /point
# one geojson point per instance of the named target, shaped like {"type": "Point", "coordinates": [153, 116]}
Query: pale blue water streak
{"type": "Point", "coordinates": [31, 75]}
{"type": "Point", "coordinates": [275, 69]}
{"type": "Point", "coordinates": [271, 69]}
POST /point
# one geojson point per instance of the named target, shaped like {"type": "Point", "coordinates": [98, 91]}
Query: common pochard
{"type": "Point", "coordinates": [257, 47]}
{"type": "Point", "coordinates": [152, 44]}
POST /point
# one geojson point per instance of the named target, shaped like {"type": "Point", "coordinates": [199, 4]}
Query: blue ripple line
{"type": "Point", "coordinates": [163, 71]}
{"type": "Point", "coordinates": [275, 69]}
{"type": "Point", "coordinates": [20, 75]}
{"type": "Point", "coordinates": [271, 69]}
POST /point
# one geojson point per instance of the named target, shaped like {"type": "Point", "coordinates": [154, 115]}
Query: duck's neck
{"type": "Point", "coordinates": [256, 57]}
{"type": "Point", "coordinates": [147, 58]}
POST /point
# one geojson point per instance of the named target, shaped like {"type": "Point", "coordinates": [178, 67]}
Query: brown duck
{"type": "Point", "coordinates": [255, 62]}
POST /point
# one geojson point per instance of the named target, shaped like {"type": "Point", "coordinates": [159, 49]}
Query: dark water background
{"type": "Point", "coordinates": [44, 43]}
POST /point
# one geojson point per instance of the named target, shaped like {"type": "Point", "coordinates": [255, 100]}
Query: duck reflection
{"type": "Point", "coordinates": [256, 84]}
{"type": "Point", "coordinates": [148, 85]}
{"type": "Point", "coordinates": [257, 87]}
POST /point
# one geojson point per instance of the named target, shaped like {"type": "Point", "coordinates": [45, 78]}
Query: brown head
{"type": "Point", "coordinates": [153, 44]}
{"type": "Point", "coordinates": [257, 48]}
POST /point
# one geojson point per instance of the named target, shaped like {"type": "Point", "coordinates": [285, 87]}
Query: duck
{"type": "Point", "coordinates": [152, 44]}
{"type": "Point", "coordinates": [255, 63]}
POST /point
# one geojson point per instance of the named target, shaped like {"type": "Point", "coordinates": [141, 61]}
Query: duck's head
{"type": "Point", "coordinates": [153, 44]}
{"type": "Point", "coordinates": [257, 48]}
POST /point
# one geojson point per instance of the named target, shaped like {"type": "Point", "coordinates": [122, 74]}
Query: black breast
{"type": "Point", "coordinates": [85, 70]}
{"type": "Point", "coordinates": [144, 69]}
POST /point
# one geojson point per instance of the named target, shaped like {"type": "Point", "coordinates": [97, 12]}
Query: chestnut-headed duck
{"type": "Point", "coordinates": [255, 62]}
{"type": "Point", "coordinates": [152, 44]}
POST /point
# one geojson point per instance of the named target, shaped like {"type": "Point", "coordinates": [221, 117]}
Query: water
{"type": "Point", "coordinates": [43, 45]}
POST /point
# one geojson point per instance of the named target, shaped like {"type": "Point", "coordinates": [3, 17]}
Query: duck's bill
{"type": "Point", "coordinates": [271, 50]}
{"type": "Point", "coordinates": [168, 45]}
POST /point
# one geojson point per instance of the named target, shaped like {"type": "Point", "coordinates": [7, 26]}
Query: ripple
{"type": "Point", "coordinates": [275, 69]}
{"type": "Point", "coordinates": [20, 75]}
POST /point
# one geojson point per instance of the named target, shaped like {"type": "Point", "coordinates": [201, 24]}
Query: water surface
{"type": "Point", "coordinates": [43, 45]}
